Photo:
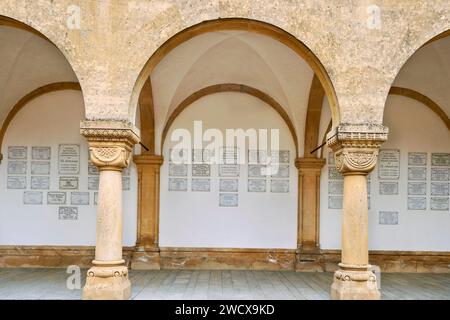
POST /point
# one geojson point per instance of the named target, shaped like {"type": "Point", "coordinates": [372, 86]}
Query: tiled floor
{"type": "Point", "coordinates": [183, 284]}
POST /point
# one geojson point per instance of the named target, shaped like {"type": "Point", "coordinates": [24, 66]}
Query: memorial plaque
{"type": "Point", "coordinates": [440, 159]}
{"type": "Point", "coordinates": [40, 153]}
{"type": "Point", "coordinates": [256, 185]}
{"type": "Point", "coordinates": [257, 156]}
{"type": "Point", "coordinates": [280, 171]}
{"type": "Point", "coordinates": [279, 186]}
{"type": "Point", "coordinates": [417, 173]}
{"type": "Point", "coordinates": [92, 169]}
{"type": "Point", "coordinates": [126, 171]}
{"type": "Point", "coordinates": [199, 184]}
{"type": "Point", "coordinates": [334, 174]}
{"type": "Point", "coordinates": [95, 198]}
{"type": "Point", "coordinates": [336, 187]}
{"type": "Point", "coordinates": [16, 182]}
{"type": "Point", "coordinates": [229, 170]}
{"type": "Point", "coordinates": [417, 188]}
{"type": "Point", "coordinates": [178, 156]}
{"type": "Point", "coordinates": [93, 183]}
{"type": "Point", "coordinates": [126, 183]}
{"type": "Point", "coordinates": [228, 199]}
{"type": "Point", "coordinates": [40, 182]}
{"type": "Point", "coordinates": [32, 197]}
{"type": "Point", "coordinates": [40, 167]}
{"type": "Point", "coordinates": [68, 213]}
{"type": "Point", "coordinates": [440, 174]}
{"type": "Point", "coordinates": [331, 160]}
{"type": "Point", "coordinates": [17, 153]}
{"type": "Point", "coordinates": [79, 198]}
{"type": "Point", "coordinates": [56, 197]}
{"type": "Point", "coordinates": [178, 170]}
{"type": "Point", "coordinates": [282, 156]}
{"type": "Point", "coordinates": [439, 188]}
{"type": "Point", "coordinates": [201, 155]}
{"type": "Point", "coordinates": [256, 171]}
{"type": "Point", "coordinates": [17, 167]}
{"type": "Point", "coordinates": [228, 185]}
{"type": "Point", "coordinates": [68, 183]}
{"type": "Point", "coordinates": [388, 217]}
{"type": "Point", "coordinates": [439, 203]}
{"type": "Point", "coordinates": [177, 184]}
{"type": "Point", "coordinates": [417, 158]}
{"type": "Point", "coordinates": [69, 159]}
{"type": "Point", "coordinates": [417, 203]}
{"type": "Point", "coordinates": [201, 170]}
{"type": "Point", "coordinates": [388, 188]}
{"type": "Point", "coordinates": [230, 155]}
{"type": "Point", "coordinates": [389, 164]}
{"type": "Point", "coordinates": [335, 202]}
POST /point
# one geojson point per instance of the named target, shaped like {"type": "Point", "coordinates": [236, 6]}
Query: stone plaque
{"type": "Point", "coordinates": [69, 159]}
{"type": "Point", "coordinates": [93, 183]}
{"type": "Point", "coordinates": [178, 170]}
{"type": "Point", "coordinates": [335, 202]}
{"type": "Point", "coordinates": [40, 167]}
{"type": "Point", "coordinates": [440, 174]}
{"type": "Point", "coordinates": [230, 155]}
{"type": "Point", "coordinates": [95, 198]}
{"type": "Point", "coordinates": [17, 153]}
{"type": "Point", "coordinates": [229, 170]}
{"type": "Point", "coordinates": [79, 198]}
{"type": "Point", "coordinates": [336, 187]}
{"type": "Point", "coordinates": [417, 173]}
{"type": "Point", "coordinates": [32, 197]}
{"type": "Point", "coordinates": [440, 159]}
{"type": "Point", "coordinates": [280, 171]}
{"type": "Point", "coordinates": [439, 188]}
{"type": "Point", "coordinates": [228, 185]}
{"type": "Point", "coordinates": [201, 155]}
{"type": "Point", "coordinates": [256, 185]}
{"type": "Point", "coordinates": [68, 183]}
{"type": "Point", "coordinates": [228, 199]}
{"type": "Point", "coordinates": [56, 197]}
{"type": "Point", "coordinates": [201, 170]}
{"type": "Point", "coordinates": [17, 167]}
{"type": "Point", "coordinates": [178, 156]}
{"type": "Point", "coordinates": [439, 203]}
{"type": "Point", "coordinates": [14, 182]}
{"type": "Point", "coordinates": [257, 156]}
{"type": "Point", "coordinates": [177, 184]}
{"type": "Point", "coordinates": [334, 174]}
{"type": "Point", "coordinates": [417, 203]}
{"type": "Point", "coordinates": [126, 183]}
{"type": "Point", "coordinates": [389, 164]}
{"type": "Point", "coordinates": [388, 217]}
{"type": "Point", "coordinates": [331, 160]}
{"type": "Point", "coordinates": [417, 158]}
{"type": "Point", "coordinates": [40, 153]}
{"type": "Point", "coordinates": [417, 188]}
{"type": "Point", "coordinates": [92, 169]}
{"type": "Point", "coordinates": [256, 171]}
{"type": "Point", "coordinates": [40, 182]}
{"type": "Point", "coordinates": [126, 171]}
{"type": "Point", "coordinates": [279, 186]}
{"type": "Point", "coordinates": [68, 213]}
{"type": "Point", "coordinates": [282, 156]}
{"type": "Point", "coordinates": [388, 188]}
{"type": "Point", "coordinates": [199, 184]}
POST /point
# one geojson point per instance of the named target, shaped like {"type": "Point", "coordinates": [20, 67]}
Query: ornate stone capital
{"type": "Point", "coordinates": [356, 147]}
{"type": "Point", "coordinates": [110, 143]}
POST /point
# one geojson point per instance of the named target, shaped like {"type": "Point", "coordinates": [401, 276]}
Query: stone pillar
{"type": "Point", "coordinates": [146, 256]}
{"type": "Point", "coordinates": [356, 151]}
{"type": "Point", "coordinates": [308, 246]}
{"type": "Point", "coordinates": [110, 145]}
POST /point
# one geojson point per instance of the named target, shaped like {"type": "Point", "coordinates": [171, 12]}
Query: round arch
{"type": "Point", "coordinates": [255, 26]}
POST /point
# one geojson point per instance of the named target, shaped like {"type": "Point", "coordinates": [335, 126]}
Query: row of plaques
{"type": "Point", "coordinates": [59, 198]}
{"type": "Point", "coordinates": [228, 185]}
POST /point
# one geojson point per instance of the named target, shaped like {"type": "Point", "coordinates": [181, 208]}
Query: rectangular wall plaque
{"type": "Point", "coordinates": [440, 174]}
{"type": "Point", "coordinates": [69, 159]}
{"type": "Point", "coordinates": [202, 185]}
{"type": "Point", "coordinates": [201, 170]}
{"type": "Point", "coordinates": [178, 170]}
{"type": "Point", "coordinates": [16, 182]}
{"type": "Point", "coordinates": [417, 188]}
{"type": "Point", "coordinates": [417, 158]}
{"type": "Point", "coordinates": [388, 188]}
{"type": "Point", "coordinates": [417, 173]}
{"type": "Point", "coordinates": [279, 186]}
{"type": "Point", "coordinates": [40, 153]}
{"type": "Point", "coordinates": [440, 159]}
{"type": "Point", "coordinates": [228, 199]}
{"type": "Point", "coordinates": [79, 198]}
{"type": "Point", "coordinates": [177, 184]}
{"type": "Point", "coordinates": [92, 169]}
{"type": "Point", "coordinates": [32, 197]}
{"type": "Point", "coordinates": [56, 197]}
{"type": "Point", "coordinates": [439, 203]}
{"type": "Point", "coordinates": [178, 156]}
{"type": "Point", "coordinates": [257, 156]}
{"type": "Point", "coordinates": [40, 167]}
{"type": "Point", "coordinates": [389, 164]}
{"type": "Point", "coordinates": [282, 156]}
{"type": "Point", "coordinates": [126, 183]}
{"type": "Point", "coordinates": [334, 174]}
{"type": "Point", "coordinates": [17, 153]}
{"type": "Point", "coordinates": [256, 171]}
{"type": "Point", "coordinates": [279, 171]}
{"type": "Point", "coordinates": [228, 170]}
{"type": "Point", "coordinates": [439, 189]}
{"type": "Point", "coordinates": [335, 202]}
{"type": "Point", "coordinates": [336, 187]}
{"type": "Point", "coordinates": [417, 203]}
{"type": "Point", "coordinates": [68, 213]}
{"type": "Point", "coordinates": [68, 183]}
{"type": "Point", "coordinates": [257, 185]}
{"type": "Point", "coordinates": [17, 167]}
{"type": "Point", "coordinates": [228, 185]}
{"type": "Point", "coordinates": [388, 217]}
{"type": "Point", "coordinates": [40, 182]}
{"type": "Point", "coordinates": [93, 183]}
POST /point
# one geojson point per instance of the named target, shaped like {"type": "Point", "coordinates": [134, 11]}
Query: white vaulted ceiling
{"type": "Point", "coordinates": [232, 57]}
{"type": "Point", "coordinates": [27, 62]}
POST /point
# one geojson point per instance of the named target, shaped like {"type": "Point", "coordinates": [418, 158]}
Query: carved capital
{"type": "Point", "coordinates": [309, 164]}
{"type": "Point", "coordinates": [110, 143]}
{"type": "Point", "coordinates": [356, 147]}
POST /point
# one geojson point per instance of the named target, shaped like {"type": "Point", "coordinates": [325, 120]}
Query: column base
{"type": "Point", "coordinates": [107, 283]}
{"type": "Point", "coordinates": [354, 283]}
{"type": "Point", "coordinates": [145, 259]}
{"type": "Point", "coordinates": [307, 259]}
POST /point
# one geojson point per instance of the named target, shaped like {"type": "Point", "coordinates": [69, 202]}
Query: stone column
{"type": "Point", "coordinates": [146, 256]}
{"type": "Point", "coordinates": [110, 145]}
{"type": "Point", "coordinates": [356, 151]}
{"type": "Point", "coordinates": [308, 246]}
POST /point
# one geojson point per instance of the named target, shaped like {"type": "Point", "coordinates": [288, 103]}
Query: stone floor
{"type": "Point", "coordinates": [182, 284]}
